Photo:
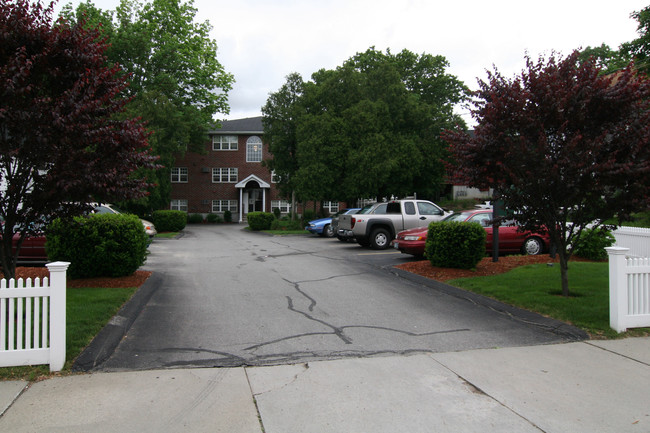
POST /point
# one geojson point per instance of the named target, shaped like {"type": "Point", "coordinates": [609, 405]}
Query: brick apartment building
{"type": "Point", "coordinates": [230, 175]}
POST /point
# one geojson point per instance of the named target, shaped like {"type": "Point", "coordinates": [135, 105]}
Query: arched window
{"type": "Point", "coordinates": [254, 149]}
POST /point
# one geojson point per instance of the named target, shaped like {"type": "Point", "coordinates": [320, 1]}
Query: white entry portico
{"type": "Point", "coordinates": [252, 195]}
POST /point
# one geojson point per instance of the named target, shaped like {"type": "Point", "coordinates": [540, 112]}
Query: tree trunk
{"type": "Point", "coordinates": [564, 271]}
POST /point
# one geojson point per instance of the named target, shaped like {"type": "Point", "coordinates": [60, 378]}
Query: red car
{"type": "Point", "coordinates": [511, 240]}
{"type": "Point", "coordinates": [32, 249]}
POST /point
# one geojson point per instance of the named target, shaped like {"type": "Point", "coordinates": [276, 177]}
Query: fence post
{"type": "Point", "coordinates": [57, 314]}
{"type": "Point", "coordinates": [617, 288]}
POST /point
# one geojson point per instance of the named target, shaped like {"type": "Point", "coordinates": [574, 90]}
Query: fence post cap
{"type": "Point", "coordinates": [616, 251]}
{"type": "Point", "coordinates": [58, 266]}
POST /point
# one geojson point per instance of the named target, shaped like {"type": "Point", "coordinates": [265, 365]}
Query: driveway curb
{"type": "Point", "coordinates": [106, 341]}
{"type": "Point", "coordinates": [555, 326]}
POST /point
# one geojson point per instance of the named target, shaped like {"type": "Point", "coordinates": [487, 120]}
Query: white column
{"type": "Point", "coordinates": [57, 313]}
{"type": "Point", "coordinates": [617, 288]}
{"type": "Point", "coordinates": [263, 199]}
{"type": "Point", "coordinates": [241, 205]}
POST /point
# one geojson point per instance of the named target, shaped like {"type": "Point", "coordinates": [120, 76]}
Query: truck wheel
{"type": "Point", "coordinates": [380, 239]}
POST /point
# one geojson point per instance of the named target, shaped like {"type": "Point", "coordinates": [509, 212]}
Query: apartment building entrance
{"type": "Point", "coordinates": [252, 195]}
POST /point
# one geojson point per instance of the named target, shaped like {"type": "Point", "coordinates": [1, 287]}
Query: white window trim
{"type": "Point", "coordinates": [230, 171]}
{"type": "Point", "coordinates": [232, 142]}
{"type": "Point", "coordinates": [231, 205]}
{"type": "Point", "coordinates": [177, 172]}
{"type": "Point", "coordinates": [250, 149]}
{"type": "Point", "coordinates": [179, 204]}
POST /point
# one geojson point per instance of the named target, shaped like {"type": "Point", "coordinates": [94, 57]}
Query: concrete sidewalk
{"type": "Point", "coordinates": [591, 386]}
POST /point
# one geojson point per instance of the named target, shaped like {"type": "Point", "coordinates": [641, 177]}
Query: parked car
{"type": "Point", "coordinates": [511, 238]}
{"type": "Point", "coordinates": [345, 235]}
{"type": "Point", "coordinates": [149, 228]}
{"type": "Point", "coordinates": [32, 249]}
{"type": "Point", "coordinates": [323, 226]}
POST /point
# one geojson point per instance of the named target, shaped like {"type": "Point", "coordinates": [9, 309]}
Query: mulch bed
{"type": "Point", "coordinates": [484, 268]}
{"type": "Point", "coordinates": [136, 280]}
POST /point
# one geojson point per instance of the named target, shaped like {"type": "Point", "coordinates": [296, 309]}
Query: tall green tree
{"type": "Point", "coordinates": [639, 48]}
{"type": "Point", "coordinates": [371, 127]}
{"type": "Point", "coordinates": [64, 138]}
{"type": "Point", "coordinates": [564, 146]}
{"type": "Point", "coordinates": [177, 85]}
{"type": "Point", "coordinates": [280, 119]}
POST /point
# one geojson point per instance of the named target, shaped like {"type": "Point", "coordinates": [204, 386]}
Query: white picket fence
{"type": "Point", "coordinates": [32, 320]}
{"type": "Point", "coordinates": [637, 239]}
{"type": "Point", "coordinates": [629, 290]}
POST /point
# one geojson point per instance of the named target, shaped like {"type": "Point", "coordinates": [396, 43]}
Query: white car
{"type": "Point", "coordinates": [149, 228]}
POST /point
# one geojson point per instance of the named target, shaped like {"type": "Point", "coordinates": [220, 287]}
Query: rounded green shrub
{"type": "Point", "coordinates": [169, 220]}
{"type": "Point", "coordinates": [455, 244]}
{"type": "Point", "coordinates": [260, 220]}
{"type": "Point", "coordinates": [227, 216]}
{"type": "Point", "coordinates": [100, 245]}
{"type": "Point", "coordinates": [213, 218]}
{"type": "Point", "coordinates": [592, 244]}
{"type": "Point", "coordinates": [195, 218]}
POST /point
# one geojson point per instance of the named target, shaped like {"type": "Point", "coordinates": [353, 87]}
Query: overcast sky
{"type": "Point", "coordinates": [262, 41]}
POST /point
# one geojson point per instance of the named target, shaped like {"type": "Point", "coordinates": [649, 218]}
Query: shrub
{"type": "Point", "coordinates": [101, 245]}
{"type": "Point", "coordinates": [455, 244]}
{"type": "Point", "coordinates": [592, 244]}
{"type": "Point", "coordinates": [277, 212]}
{"type": "Point", "coordinates": [260, 220]}
{"type": "Point", "coordinates": [227, 216]}
{"type": "Point", "coordinates": [213, 218]}
{"type": "Point", "coordinates": [169, 220]}
{"type": "Point", "coordinates": [195, 218]}
{"type": "Point", "coordinates": [308, 215]}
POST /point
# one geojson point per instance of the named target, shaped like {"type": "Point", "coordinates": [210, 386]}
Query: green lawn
{"type": "Point", "coordinates": [538, 288]}
{"type": "Point", "coordinates": [88, 310]}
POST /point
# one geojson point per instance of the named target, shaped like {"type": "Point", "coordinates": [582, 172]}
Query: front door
{"type": "Point", "coordinates": [255, 200]}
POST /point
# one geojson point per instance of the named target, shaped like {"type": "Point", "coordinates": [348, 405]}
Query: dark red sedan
{"type": "Point", "coordinates": [32, 250]}
{"type": "Point", "coordinates": [511, 240]}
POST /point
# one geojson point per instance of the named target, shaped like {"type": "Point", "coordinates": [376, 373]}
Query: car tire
{"type": "Point", "coordinates": [533, 246]}
{"type": "Point", "coordinates": [328, 231]}
{"type": "Point", "coordinates": [380, 239]}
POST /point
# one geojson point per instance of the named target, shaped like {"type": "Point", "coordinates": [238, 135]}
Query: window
{"type": "Point", "coordinates": [224, 205]}
{"type": "Point", "coordinates": [179, 174]}
{"type": "Point", "coordinates": [224, 175]}
{"type": "Point", "coordinates": [224, 142]}
{"type": "Point", "coordinates": [283, 205]}
{"type": "Point", "coordinates": [428, 209]}
{"type": "Point", "coordinates": [331, 206]}
{"type": "Point", "coordinates": [178, 205]}
{"type": "Point", "coordinates": [274, 177]}
{"type": "Point", "coordinates": [254, 149]}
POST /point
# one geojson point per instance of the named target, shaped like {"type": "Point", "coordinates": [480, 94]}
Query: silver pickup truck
{"type": "Point", "coordinates": [377, 231]}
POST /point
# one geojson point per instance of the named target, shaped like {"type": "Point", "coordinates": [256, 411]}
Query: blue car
{"type": "Point", "coordinates": [323, 226]}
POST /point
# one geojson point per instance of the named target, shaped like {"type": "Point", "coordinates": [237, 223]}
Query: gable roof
{"type": "Point", "coordinates": [249, 125]}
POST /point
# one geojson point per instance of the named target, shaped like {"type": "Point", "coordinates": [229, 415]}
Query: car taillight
{"type": "Point", "coordinates": [353, 222]}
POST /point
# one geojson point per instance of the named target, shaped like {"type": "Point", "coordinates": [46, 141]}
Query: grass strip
{"type": "Point", "coordinates": [88, 311]}
{"type": "Point", "coordinates": [538, 288]}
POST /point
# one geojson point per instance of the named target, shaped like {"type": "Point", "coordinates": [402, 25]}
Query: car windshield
{"type": "Point", "coordinates": [365, 209]}
{"type": "Point", "coordinates": [462, 216]}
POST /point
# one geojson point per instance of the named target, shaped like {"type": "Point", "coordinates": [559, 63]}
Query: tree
{"type": "Point", "coordinates": [608, 60]}
{"type": "Point", "coordinates": [358, 126]}
{"type": "Point", "coordinates": [639, 49]}
{"type": "Point", "coordinates": [562, 145]}
{"type": "Point", "coordinates": [64, 141]}
{"type": "Point", "coordinates": [280, 119]}
{"type": "Point", "coordinates": [176, 82]}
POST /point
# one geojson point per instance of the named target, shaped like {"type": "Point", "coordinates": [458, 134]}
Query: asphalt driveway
{"type": "Point", "coordinates": [226, 297]}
